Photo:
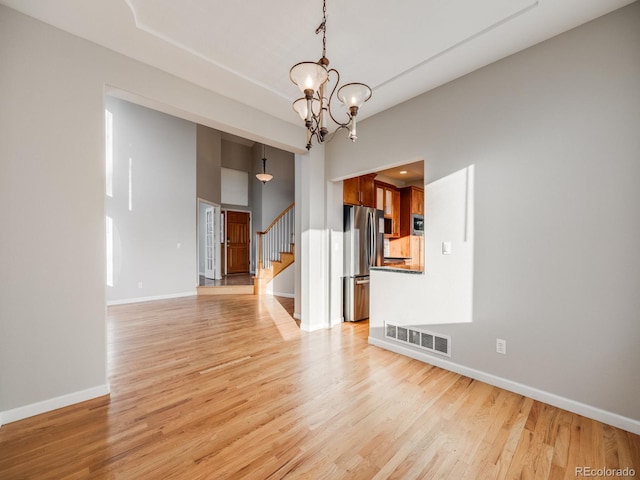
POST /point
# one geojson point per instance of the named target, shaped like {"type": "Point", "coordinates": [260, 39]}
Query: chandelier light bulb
{"type": "Point", "coordinates": [354, 94]}
{"type": "Point", "coordinates": [308, 76]}
{"type": "Point", "coordinates": [300, 107]}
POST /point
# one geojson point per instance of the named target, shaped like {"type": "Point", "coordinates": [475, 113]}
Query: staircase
{"type": "Point", "coordinates": [275, 249]}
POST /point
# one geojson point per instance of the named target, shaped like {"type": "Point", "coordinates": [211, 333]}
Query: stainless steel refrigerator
{"type": "Point", "coordinates": [363, 248]}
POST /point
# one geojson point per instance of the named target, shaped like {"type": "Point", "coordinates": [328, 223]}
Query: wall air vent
{"type": "Point", "coordinates": [433, 342]}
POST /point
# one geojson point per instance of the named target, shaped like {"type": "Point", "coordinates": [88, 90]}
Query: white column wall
{"type": "Point", "coordinates": [313, 292]}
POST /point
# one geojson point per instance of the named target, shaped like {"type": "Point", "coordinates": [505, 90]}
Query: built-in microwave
{"type": "Point", "coordinates": [417, 224]}
{"type": "Point", "coordinates": [388, 226]}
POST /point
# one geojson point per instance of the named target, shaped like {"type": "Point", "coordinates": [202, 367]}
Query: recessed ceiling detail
{"type": "Point", "coordinates": [244, 50]}
{"type": "Point", "coordinates": [457, 25]}
{"type": "Point", "coordinates": [218, 32]}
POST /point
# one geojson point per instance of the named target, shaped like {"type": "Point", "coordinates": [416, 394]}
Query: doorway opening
{"type": "Point", "coordinates": [224, 242]}
{"type": "Point", "coordinates": [237, 247]}
{"type": "Point", "coordinates": [209, 242]}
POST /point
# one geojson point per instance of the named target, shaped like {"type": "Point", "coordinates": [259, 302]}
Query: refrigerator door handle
{"type": "Point", "coordinates": [372, 242]}
{"type": "Point", "coordinates": [370, 239]}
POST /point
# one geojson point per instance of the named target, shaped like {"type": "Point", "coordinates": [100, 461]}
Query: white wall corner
{"type": "Point", "coordinates": [589, 411]}
{"type": "Point", "coordinates": [335, 251]}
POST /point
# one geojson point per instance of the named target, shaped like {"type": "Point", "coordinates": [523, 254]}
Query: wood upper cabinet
{"type": "Point", "coordinates": [368, 189]}
{"type": "Point", "coordinates": [360, 191]}
{"type": "Point", "coordinates": [411, 202]}
{"type": "Point", "coordinates": [395, 214]}
{"type": "Point", "coordinates": [379, 196]}
{"type": "Point", "coordinates": [417, 200]}
{"type": "Point", "coordinates": [388, 200]}
{"type": "Point", "coordinates": [351, 191]}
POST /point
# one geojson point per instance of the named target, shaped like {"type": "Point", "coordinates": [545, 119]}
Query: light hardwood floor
{"type": "Point", "coordinates": [229, 387]}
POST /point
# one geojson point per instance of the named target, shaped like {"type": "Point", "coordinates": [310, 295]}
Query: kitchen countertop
{"type": "Point", "coordinates": [399, 269]}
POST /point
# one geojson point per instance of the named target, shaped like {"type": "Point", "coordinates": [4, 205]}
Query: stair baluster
{"type": "Point", "coordinates": [276, 239]}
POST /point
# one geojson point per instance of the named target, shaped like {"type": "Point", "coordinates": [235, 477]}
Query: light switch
{"type": "Point", "coordinates": [446, 248]}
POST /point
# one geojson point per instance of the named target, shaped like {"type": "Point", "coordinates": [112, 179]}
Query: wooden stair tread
{"type": "Point", "coordinates": [267, 274]}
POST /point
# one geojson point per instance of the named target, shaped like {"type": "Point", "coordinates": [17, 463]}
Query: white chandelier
{"type": "Point", "coordinates": [313, 108]}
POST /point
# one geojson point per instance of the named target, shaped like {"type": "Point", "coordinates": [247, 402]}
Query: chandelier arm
{"type": "Point", "coordinates": [342, 125]}
{"type": "Point", "coordinates": [316, 133]}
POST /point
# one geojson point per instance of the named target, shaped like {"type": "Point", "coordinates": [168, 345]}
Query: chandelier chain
{"type": "Point", "coordinates": [323, 28]}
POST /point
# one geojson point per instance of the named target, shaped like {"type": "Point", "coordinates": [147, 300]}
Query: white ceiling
{"type": "Point", "coordinates": [244, 50]}
{"type": "Point", "coordinates": [405, 174]}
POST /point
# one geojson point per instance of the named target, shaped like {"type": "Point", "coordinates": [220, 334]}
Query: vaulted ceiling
{"type": "Point", "coordinates": [244, 49]}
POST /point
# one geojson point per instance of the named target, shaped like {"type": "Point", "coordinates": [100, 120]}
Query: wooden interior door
{"type": "Point", "coordinates": [238, 246]}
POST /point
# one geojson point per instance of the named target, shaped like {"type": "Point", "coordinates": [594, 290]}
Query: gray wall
{"type": "Point", "coordinates": [553, 134]}
{"type": "Point", "coordinates": [209, 159]}
{"type": "Point", "coordinates": [155, 240]}
{"type": "Point", "coordinates": [238, 157]}
{"type": "Point", "coordinates": [52, 283]}
{"type": "Point", "coordinates": [274, 196]}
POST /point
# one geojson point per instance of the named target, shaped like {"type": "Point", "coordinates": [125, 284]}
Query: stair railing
{"type": "Point", "coordinates": [277, 238]}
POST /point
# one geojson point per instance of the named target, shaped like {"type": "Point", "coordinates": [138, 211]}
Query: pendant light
{"type": "Point", "coordinates": [264, 177]}
{"type": "Point", "coordinates": [312, 79]}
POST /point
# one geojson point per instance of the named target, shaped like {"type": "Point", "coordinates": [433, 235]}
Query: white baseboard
{"type": "Point", "coordinates": [286, 295]}
{"type": "Point", "coordinates": [610, 418]}
{"type": "Point", "coordinates": [297, 316]}
{"type": "Point", "coordinates": [26, 411]}
{"type": "Point", "coordinates": [337, 321]}
{"type": "Point", "coordinates": [149, 299]}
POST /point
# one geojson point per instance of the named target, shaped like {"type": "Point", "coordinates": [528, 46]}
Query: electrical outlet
{"type": "Point", "coordinates": [501, 346]}
{"type": "Point", "coordinates": [139, 284]}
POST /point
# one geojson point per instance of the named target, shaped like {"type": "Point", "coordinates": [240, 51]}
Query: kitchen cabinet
{"type": "Point", "coordinates": [395, 214]}
{"type": "Point", "coordinates": [411, 203]}
{"type": "Point", "coordinates": [360, 191]}
{"type": "Point", "coordinates": [417, 200]}
{"type": "Point", "coordinates": [388, 200]}
{"type": "Point", "coordinates": [410, 247]}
